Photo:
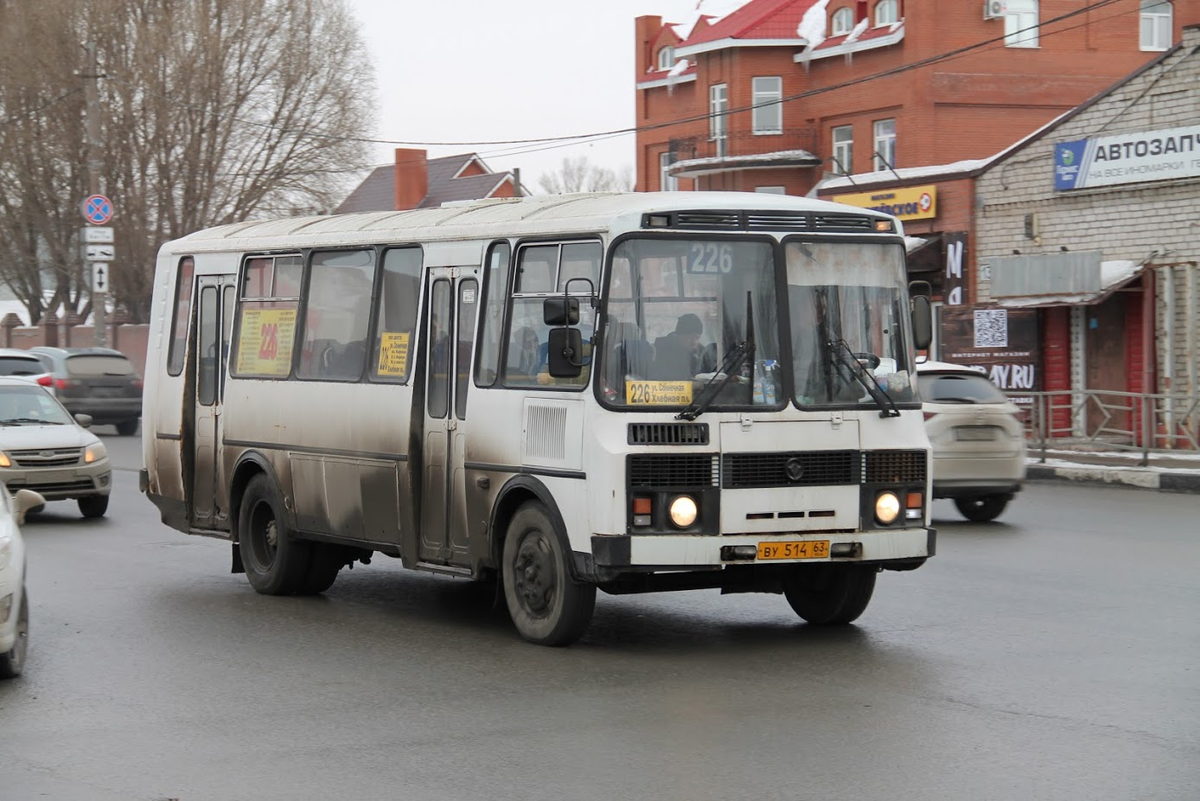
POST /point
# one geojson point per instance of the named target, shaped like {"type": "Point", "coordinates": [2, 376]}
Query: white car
{"type": "Point", "coordinates": [978, 440]}
{"type": "Point", "coordinates": [14, 603]}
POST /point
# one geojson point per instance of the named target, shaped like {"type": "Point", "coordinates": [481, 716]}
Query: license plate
{"type": "Point", "coordinates": [810, 549]}
{"type": "Point", "coordinates": [974, 433]}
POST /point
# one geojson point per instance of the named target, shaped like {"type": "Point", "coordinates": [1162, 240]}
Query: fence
{"type": "Point", "coordinates": [1116, 420]}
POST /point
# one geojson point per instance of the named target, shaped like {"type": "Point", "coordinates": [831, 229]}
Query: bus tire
{"type": "Point", "coordinates": [547, 605]}
{"type": "Point", "coordinates": [275, 562]}
{"type": "Point", "coordinates": [12, 661]}
{"type": "Point", "coordinates": [830, 595]}
{"type": "Point", "coordinates": [323, 568]}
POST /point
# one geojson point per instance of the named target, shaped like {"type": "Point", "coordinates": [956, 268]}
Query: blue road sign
{"type": "Point", "coordinates": [97, 209]}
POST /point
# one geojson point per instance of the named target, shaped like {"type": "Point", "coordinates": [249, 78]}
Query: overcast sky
{"type": "Point", "coordinates": [485, 70]}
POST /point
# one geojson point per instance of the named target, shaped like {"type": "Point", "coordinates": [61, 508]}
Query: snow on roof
{"type": "Point", "coordinates": [812, 25]}
{"type": "Point", "coordinates": [858, 30]}
{"type": "Point", "coordinates": [681, 66]}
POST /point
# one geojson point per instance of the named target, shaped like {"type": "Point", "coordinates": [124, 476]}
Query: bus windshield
{"type": "Point", "coordinates": [676, 309]}
{"type": "Point", "coordinates": [848, 304]}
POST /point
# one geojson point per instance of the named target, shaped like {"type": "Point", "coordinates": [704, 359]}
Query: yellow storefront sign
{"type": "Point", "coordinates": [658, 393]}
{"type": "Point", "coordinates": [908, 203]}
{"type": "Point", "coordinates": [265, 341]}
{"type": "Point", "coordinates": [393, 354]}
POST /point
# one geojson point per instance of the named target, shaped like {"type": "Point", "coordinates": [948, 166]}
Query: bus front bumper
{"type": "Point", "coordinates": [682, 552]}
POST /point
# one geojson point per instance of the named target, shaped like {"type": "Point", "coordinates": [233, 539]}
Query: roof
{"type": "Point", "coordinates": [485, 219]}
{"type": "Point", "coordinates": [758, 19]}
{"type": "Point", "coordinates": [1114, 275]}
{"type": "Point", "coordinates": [377, 192]}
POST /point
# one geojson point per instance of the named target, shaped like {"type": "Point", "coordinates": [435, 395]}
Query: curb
{"type": "Point", "coordinates": [1133, 477]}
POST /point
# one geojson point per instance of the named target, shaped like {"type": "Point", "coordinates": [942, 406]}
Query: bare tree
{"type": "Point", "coordinates": [213, 112]}
{"type": "Point", "coordinates": [579, 175]}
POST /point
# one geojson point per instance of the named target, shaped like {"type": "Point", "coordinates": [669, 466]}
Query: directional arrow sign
{"type": "Point", "coordinates": [100, 253]}
{"type": "Point", "coordinates": [99, 277]}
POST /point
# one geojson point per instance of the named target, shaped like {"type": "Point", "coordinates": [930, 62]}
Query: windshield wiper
{"type": "Point", "coordinates": [38, 420]}
{"type": "Point", "coordinates": [733, 362]}
{"type": "Point", "coordinates": [887, 407]}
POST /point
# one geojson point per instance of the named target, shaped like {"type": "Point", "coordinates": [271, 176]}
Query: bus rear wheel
{"type": "Point", "coordinates": [547, 605]}
{"type": "Point", "coordinates": [830, 595]}
{"type": "Point", "coordinates": [275, 563]}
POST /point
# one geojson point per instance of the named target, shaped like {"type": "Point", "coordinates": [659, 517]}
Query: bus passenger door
{"type": "Point", "coordinates": [453, 301]}
{"type": "Point", "coordinates": [214, 315]}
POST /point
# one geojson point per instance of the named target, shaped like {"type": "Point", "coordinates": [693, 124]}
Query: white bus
{"type": "Point", "coordinates": [632, 393]}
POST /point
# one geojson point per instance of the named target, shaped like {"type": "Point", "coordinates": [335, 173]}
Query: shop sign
{"type": "Point", "coordinates": [907, 203]}
{"type": "Point", "coordinates": [954, 284]}
{"type": "Point", "coordinates": [1001, 343]}
{"type": "Point", "coordinates": [1127, 158]}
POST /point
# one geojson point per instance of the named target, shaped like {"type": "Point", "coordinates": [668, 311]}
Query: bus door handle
{"type": "Point", "coordinates": [451, 423]}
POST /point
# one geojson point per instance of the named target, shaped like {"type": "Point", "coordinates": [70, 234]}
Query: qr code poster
{"type": "Point", "coordinates": [991, 328]}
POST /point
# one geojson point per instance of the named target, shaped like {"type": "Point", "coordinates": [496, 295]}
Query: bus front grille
{"type": "Point", "coordinates": [668, 433]}
{"type": "Point", "coordinates": [894, 467]}
{"type": "Point", "coordinates": [674, 470]}
{"type": "Point", "coordinates": [798, 469]}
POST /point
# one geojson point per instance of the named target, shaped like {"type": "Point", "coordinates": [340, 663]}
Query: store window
{"type": "Point", "coordinates": [843, 149]}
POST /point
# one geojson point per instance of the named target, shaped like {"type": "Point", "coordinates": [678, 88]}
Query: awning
{"type": "Point", "coordinates": [1114, 275]}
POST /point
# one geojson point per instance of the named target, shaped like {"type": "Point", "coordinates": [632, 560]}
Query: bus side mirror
{"type": "Point", "coordinates": [565, 351]}
{"type": "Point", "coordinates": [922, 321]}
{"type": "Point", "coordinates": [560, 311]}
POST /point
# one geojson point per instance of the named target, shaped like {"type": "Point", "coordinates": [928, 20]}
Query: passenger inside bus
{"type": "Point", "coordinates": [678, 355]}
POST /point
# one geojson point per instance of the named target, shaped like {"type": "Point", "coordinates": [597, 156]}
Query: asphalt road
{"type": "Point", "coordinates": [1052, 655]}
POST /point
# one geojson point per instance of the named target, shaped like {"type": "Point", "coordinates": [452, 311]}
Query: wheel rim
{"type": "Point", "coordinates": [535, 575]}
{"type": "Point", "coordinates": [264, 535]}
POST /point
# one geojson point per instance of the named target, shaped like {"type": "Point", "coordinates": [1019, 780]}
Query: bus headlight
{"type": "Point", "coordinates": [4, 460]}
{"type": "Point", "coordinates": [887, 508]}
{"type": "Point", "coordinates": [94, 453]}
{"type": "Point", "coordinates": [683, 511]}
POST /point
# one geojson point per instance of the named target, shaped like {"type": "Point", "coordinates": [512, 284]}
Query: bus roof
{"type": "Point", "coordinates": [528, 216]}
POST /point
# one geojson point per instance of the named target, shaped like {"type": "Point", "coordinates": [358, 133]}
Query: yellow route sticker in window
{"type": "Point", "coordinates": [393, 354]}
{"type": "Point", "coordinates": [266, 341]}
{"type": "Point", "coordinates": [658, 393]}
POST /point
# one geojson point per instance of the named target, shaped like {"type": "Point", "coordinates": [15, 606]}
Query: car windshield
{"type": "Point", "coordinates": [93, 365]}
{"type": "Point", "coordinates": [20, 365]}
{"type": "Point", "coordinates": [30, 405]}
{"type": "Point", "coordinates": [848, 305]}
{"type": "Point", "coordinates": [958, 388]}
{"type": "Point", "coordinates": [678, 310]}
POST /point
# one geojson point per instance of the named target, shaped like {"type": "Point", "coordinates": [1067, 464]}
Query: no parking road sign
{"type": "Point", "coordinates": [97, 209]}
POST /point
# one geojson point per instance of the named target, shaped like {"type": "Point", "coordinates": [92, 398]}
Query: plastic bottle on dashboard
{"type": "Point", "coordinates": [760, 381]}
{"type": "Point", "coordinates": [769, 367]}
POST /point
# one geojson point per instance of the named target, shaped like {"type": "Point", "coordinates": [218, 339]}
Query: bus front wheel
{"type": "Point", "coordinates": [830, 595]}
{"type": "Point", "coordinates": [546, 604]}
{"type": "Point", "coordinates": [275, 563]}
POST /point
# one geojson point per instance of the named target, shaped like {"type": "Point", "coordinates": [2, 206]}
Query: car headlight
{"type": "Point", "coordinates": [4, 460]}
{"type": "Point", "coordinates": [683, 511]}
{"type": "Point", "coordinates": [887, 507]}
{"type": "Point", "coordinates": [94, 453]}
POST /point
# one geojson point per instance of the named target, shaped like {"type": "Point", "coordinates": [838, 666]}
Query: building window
{"type": "Point", "coordinates": [666, 58]}
{"type": "Point", "coordinates": [842, 22]}
{"type": "Point", "coordinates": [843, 149]}
{"type": "Point", "coordinates": [771, 190]}
{"type": "Point", "coordinates": [768, 107]}
{"type": "Point", "coordinates": [1157, 22]}
{"type": "Point", "coordinates": [718, 105]}
{"type": "Point", "coordinates": [1021, 23]}
{"type": "Point", "coordinates": [886, 12]}
{"type": "Point", "coordinates": [667, 182]}
{"type": "Point", "coordinates": [885, 144]}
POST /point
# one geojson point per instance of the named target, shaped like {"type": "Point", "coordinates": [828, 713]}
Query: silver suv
{"type": "Point", "coordinates": [99, 382]}
{"type": "Point", "coordinates": [978, 441]}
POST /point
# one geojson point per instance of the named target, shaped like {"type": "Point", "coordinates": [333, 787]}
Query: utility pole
{"type": "Point", "coordinates": [91, 78]}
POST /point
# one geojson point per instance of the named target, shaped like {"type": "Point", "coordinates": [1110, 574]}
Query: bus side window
{"type": "Point", "coordinates": [183, 311]}
{"type": "Point", "coordinates": [495, 290]}
{"type": "Point", "coordinates": [339, 309]}
{"type": "Point", "coordinates": [396, 315]}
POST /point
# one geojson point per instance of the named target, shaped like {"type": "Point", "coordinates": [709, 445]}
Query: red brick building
{"type": "Point", "coordinates": [748, 102]}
